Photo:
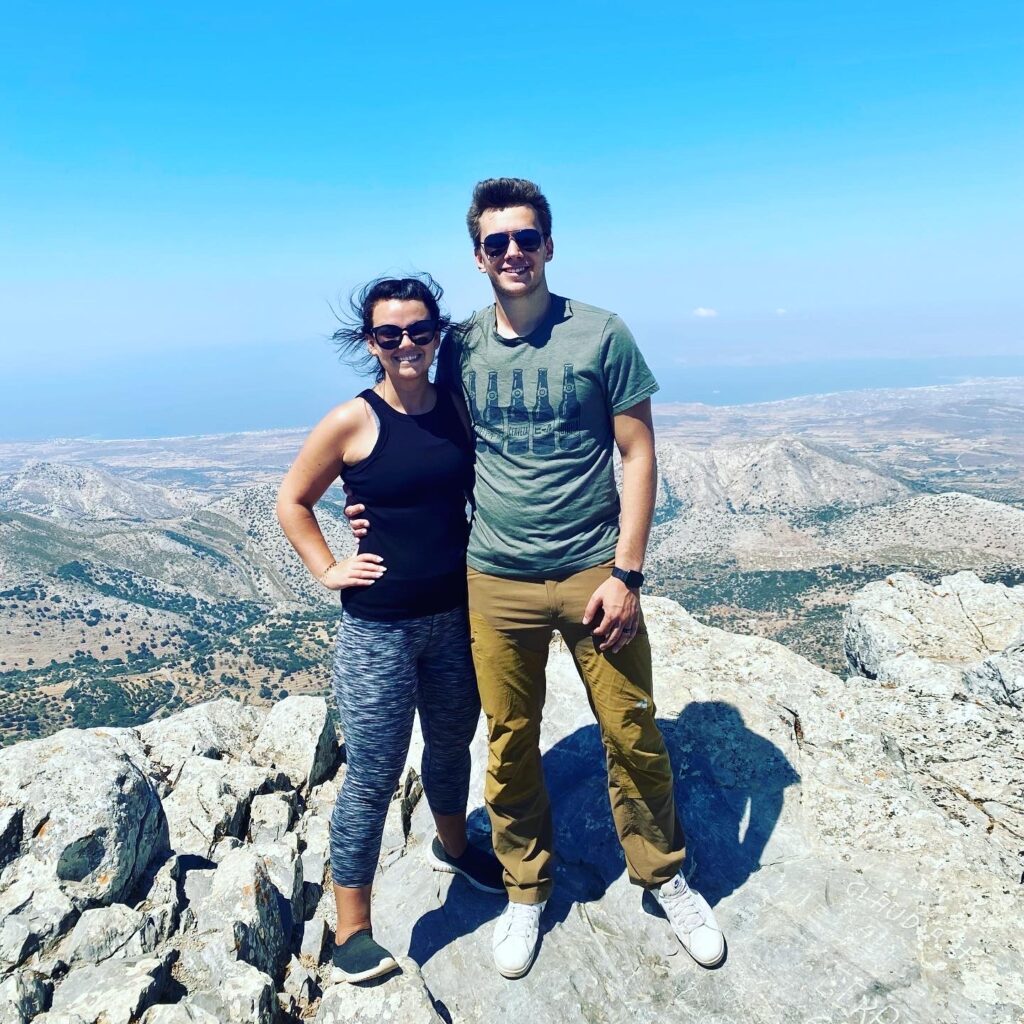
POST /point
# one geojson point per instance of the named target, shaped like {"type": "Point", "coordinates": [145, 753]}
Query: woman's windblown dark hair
{"type": "Point", "coordinates": [350, 338]}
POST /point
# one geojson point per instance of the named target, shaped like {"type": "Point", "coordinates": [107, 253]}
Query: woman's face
{"type": "Point", "coordinates": [408, 360]}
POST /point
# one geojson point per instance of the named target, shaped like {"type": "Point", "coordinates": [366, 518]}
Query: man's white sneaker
{"type": "Point", "coordinates": [515, 938]}
{"type": "Point", "coordinates": [692, 920]}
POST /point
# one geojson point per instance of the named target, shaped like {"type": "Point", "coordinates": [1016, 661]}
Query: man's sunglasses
{"type": "Point", "coordinates": [389, 336]}
{"type": "Point", "coordinates": [528, 240]}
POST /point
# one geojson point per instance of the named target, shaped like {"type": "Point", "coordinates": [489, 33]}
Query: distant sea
{"type": "Point", "coordinates": [741, 385]}
{"type": "Point", "coordinates": [222, 391]}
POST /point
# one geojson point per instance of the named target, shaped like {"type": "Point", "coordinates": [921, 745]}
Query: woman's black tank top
{"type": "Point", "coordinates": [415, 484]}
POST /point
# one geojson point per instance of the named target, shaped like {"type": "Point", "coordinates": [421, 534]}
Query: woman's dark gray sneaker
{"type": "Point", "coordinates": [359, 958]}
{"type": "Point", "coordinates": [480, 869]}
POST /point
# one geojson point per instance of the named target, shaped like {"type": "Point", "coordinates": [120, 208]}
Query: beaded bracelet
{"type": "Point", "coordinates": [320, 578]}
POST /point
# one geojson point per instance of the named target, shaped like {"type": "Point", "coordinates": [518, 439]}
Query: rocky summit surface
{"type": "Point", "coordinates": [859, 839]}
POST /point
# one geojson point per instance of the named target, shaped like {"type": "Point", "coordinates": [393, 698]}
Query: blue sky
{"type": "Point", "coordinates": [183, 190]}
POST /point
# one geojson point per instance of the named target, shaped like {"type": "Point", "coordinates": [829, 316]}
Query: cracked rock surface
{"type": "Point", "coordinates": [859, 840]}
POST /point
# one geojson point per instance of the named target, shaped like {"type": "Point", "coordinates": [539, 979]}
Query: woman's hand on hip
{"type": "Point", "coordinates": [357, 571]}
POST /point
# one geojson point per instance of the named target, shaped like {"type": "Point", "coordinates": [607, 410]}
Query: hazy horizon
{"type": "Point", "coordinates": [776, 198]}
{"type": "Point", "coordinates": [122, 408]}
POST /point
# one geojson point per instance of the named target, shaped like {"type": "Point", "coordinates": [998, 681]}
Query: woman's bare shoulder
{"type": "Point", "coordinates": [346, 419]}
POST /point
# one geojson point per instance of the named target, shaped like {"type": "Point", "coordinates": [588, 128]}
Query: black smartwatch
{"type": "Point", "coordinates": [633, 579]}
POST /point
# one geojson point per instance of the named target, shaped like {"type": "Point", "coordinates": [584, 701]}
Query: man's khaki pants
{"type": "Point", "coordinates": [511, 622]}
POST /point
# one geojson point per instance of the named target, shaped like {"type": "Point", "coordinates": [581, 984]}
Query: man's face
{"type": "Point", "coordinates": [516, 273]}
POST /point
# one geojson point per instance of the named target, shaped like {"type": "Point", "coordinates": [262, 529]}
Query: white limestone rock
{"type": "Point", "coordinates": [314, 941]}
{"type": "Point", "coordinates": [34, 910]}
{"type": "Point", "coordinates": [396, 999]}
{"type": "Point", "coordinates": [270, 817]}
{"type": "Point", "coordinates": [10, 834]}
{"type": "Point", "coordinates": [184, 1012]}
{"type": "Point", "coordinates": [88, 813]}
{"type": "Point", "coordinates": [812, 828]}
{"type": "Point", "coordinates": [114, 992]}
{"type": "Point", "coordinates": [23, 995]}
{"type": "Point", "coordinates": [210, 801]}
{"type": "Point", "coordinates": [299, 738]}
{"type": "Point", "coordinates": [300, 983]}
{"type": "Point", "coordinates": [242, 908]}
{"type": "Point", "coordinates": [962, 620]}
{"type": "Point", "coordinates": [116, 931]}
{"type": "Point", "coordinates": [162, 884]}
{"type": "Point", "coordinates": [284, 868]}
{"type": "Point", "coordinates": [999, 678]}
{"type": "Point", "coordinates": [219, 729]}
{"type": "Point", "coordinates": [231, 991]}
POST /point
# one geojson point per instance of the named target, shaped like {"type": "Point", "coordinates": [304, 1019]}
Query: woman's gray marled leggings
{"type": "Point", "coordinates": [383, 672]}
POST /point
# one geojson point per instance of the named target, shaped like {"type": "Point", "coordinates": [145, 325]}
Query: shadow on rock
{"type": "Point", "coordinates": [730, 783]}
{"type": "Point", "coordinates": [729, 795]}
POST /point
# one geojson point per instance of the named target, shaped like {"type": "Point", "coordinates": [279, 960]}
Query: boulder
{"type": "Point", "coordinates": [34, 911]}
{"type": "Point", "coordinates": [114, 992]}
{"type": "Point", "coordinates": [315, 933]}
{"type": "Point", "coordinates": [300, 983]}
{"type": "Point", "coordinates": [321, 799]}
{"type": "Point", "coordinates": [10, 834]}
{"type": "Point", "coordinates": [316, 857]}
{"type": "Point", "coordinates": [184, 1012]}
{"type": "Point", "coordinates": [284, 868]}
{"type": "Point", "coordinates": [242, 908]}
{"type": "Point", "coordinates": [210, 800]}
{"type": "Point", "coordinates": [229, 990]}
{"type": "Point", "coordinates": [299, 738]}
{"type": "Point", "coordinates": [859, 841]}
{"type": "Point", "coordinates": [103, 932]}
{"type": "Point", "coordinates": [196, 888]}
{"type": "Point", "coordinates": [23, 995]}
{"type": "Point", "coordinates": [162, 884]}
{"type": "Point", "coordinates": [400, 998]}
{"type": "Point", "coordinates": [962, 620]}
{"type": "Point", "coordinates": [219, 729]}
{"type": "Point", "coordinates": [88, 813]}
{"type": "Point", "coordinates": [824, 847]}
{"type": "Point", "coordinates": [270, 817]}
{"type": "Point", "coordinates": [1000, 678]}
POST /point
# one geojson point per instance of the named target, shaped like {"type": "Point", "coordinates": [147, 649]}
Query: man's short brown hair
{"type": "Point", "coordinates": [500, 194]}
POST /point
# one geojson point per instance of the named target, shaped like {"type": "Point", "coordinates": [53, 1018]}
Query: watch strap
{"type": "Point", "coordinates": [633, 579]}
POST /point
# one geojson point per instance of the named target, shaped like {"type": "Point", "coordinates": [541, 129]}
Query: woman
{"type": "Point", "coordinates": [403, 449]}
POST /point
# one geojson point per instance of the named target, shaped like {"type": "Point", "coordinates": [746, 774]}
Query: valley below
{"type": "Point", "coordinates": [138, 577]}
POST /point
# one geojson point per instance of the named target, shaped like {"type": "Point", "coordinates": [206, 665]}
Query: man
{"type": "Point", "coordinates": [551, 548]}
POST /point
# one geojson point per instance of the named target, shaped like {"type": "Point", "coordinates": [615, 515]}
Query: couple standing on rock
{"type": "Point", "coordinates": [549, 547]}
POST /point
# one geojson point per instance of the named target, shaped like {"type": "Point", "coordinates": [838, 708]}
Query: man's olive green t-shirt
{"type": "Point", "coordinates": [542, 408]}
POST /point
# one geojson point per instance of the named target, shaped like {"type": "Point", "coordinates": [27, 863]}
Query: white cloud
{"type": "Point", "coordinates": [705, 311]}
{"type": "Point", "coordinates": [780, 312]}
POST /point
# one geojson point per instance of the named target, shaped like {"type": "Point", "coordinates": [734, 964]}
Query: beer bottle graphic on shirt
{"type": "Point", "coordinates": [569, 412]}
{"type": "Point", "coordinates": [518, 418]}
{"type": "Point", "coordinates": [474, 411]}
{"type": "Point", "coordinates": [493, 420]}
{"type": "Point", "coordinates": [543, 439]}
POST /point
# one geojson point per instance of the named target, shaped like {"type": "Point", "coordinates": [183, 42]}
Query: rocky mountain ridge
{"type": "Point", "coordinates": [73, 492]}
{"type": "Point", "coordinates": [858, 838]}
{"type": "Point", "coordinates": [231, 548]}
{"type": "Point", "coordinates": [781, 474]}
{"type": "Point", "coordinates": [942, 530]}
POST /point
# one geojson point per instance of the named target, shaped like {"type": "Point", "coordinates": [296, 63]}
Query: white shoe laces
{"type": "Point", "coordinates": [522, 919]}
{"type": "Point", "coordinates": [682, 908]}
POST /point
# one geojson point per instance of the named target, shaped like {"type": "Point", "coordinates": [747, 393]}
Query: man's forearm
{"type": "Point", "coordinates": [639, 488]}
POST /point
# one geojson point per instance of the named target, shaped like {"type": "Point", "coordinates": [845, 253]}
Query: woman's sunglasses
{"type": "Point", "coordinates": [389, 336]}
{"type": "Point", "coordinates": [528, 240]}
